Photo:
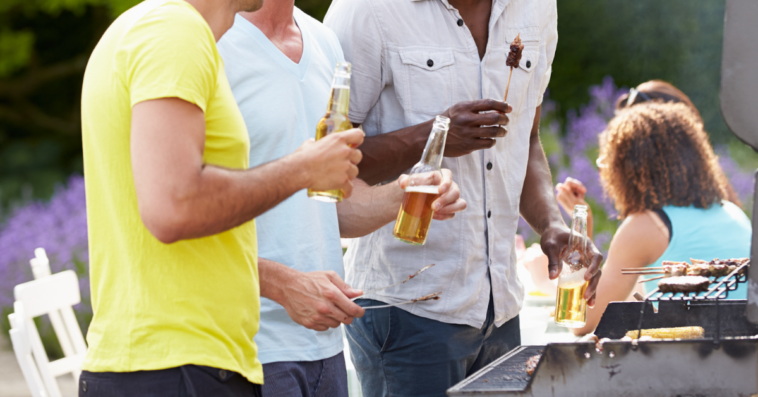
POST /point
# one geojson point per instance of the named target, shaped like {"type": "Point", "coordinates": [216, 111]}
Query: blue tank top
{"type": "Point", "coordinates": [721, 231]}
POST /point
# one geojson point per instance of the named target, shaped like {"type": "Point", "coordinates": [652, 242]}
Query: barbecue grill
{"type": "Point", "coordinates": [724, 362]}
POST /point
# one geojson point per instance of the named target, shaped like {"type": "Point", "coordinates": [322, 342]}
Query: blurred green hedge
{"type": "Point", "coordinates": [44, 45]}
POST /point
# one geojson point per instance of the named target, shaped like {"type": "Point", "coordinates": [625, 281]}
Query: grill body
{"type": "Point", "coordinates": [723, 364]}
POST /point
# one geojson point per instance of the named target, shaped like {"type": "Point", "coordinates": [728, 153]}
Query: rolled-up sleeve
{"type": "Point", "coordinates": [550, 40]}
{"type": "Point", "coordinates": [358, 30]}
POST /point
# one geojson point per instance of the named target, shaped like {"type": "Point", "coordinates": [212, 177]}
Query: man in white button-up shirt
{"type": "Point", "coordinates": [412, 60]}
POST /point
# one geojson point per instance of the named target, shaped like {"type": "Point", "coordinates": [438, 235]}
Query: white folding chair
{"type": "Point", "coordinates": [52, 295]}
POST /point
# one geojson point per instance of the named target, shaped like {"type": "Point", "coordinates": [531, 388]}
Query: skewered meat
{"type": "Point", "coordinates": [684, 284]}
{"type": "Point", "coordinates": [699, 270]}
{"type": "Point", "coordinates": [531, 364]}
{"type": "Point", "coordinates": [675, 269]}
{"type": "Point", "coordinates": [514, 56]}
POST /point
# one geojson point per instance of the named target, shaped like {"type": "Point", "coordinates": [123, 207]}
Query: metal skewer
{"type": "Point", "coordinates": [429, 297]}
{"type": "Point", "coordinates": [419, 271]}
{"type": "Point", "coordinates": [650, 279]}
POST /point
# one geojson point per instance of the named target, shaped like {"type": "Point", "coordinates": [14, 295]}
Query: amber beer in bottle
{"type": "Point", "coordinates": [416, 213]}
{"type": "Point", "coordinates": [336, 120]}
{"type": "Point", "coordinates": [570, 305]}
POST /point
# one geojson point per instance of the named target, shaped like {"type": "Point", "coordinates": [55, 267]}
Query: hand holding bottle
{"type": "Point", "coordinates": [331, 162]}
{"type": "Point", "coordinates": [449, 201]}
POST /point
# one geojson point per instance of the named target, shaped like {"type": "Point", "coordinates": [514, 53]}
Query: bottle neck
{"type": "Point", "coordinates": [435, 147]}
{"type": "Point", "coordinates": [340, 99]}
{"type": "Point", "coordinates": [578, 237]}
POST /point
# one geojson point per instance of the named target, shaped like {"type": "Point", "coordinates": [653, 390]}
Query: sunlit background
{"type": "Point", "coordinates": [605, 47]}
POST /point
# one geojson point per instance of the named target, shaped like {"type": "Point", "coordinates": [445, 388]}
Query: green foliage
{"type": "Point", "coordinates": [634, 41]}
{"type": "Point", "coordinates": [44, 46]}
{"type": "Point", "coordinates": [15, 50]}
{"type": "Point", "coordinates": [314, 8]}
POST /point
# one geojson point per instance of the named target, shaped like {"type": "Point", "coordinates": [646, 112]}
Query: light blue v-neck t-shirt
{"type": "Point", "coordinates": [281, 102]}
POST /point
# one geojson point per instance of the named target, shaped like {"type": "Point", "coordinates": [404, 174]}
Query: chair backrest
{"type": "Point", "coordinates": [52, 295]}
{"type": "Point", "coordinates": [40, 264]}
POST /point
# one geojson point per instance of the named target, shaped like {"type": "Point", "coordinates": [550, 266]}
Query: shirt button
{"type": "Point", "coordinates": [489, 166]}
{"type": "Point", "coordinates": [430, 63]}
{"type": "Point", "coordinates": [222, 374]}
{"type": "Point", "coordinates": [489, 214]}
{"type": "Point", "coordinates": [460, 22]}
{"type": "Point", "coordinates": [528, 64]}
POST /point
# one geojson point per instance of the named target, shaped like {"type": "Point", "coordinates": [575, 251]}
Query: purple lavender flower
{"type": "Point", "coordinates": [60, 227]}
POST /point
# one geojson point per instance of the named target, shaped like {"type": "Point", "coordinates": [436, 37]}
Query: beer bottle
{"type": "Point", "coordinates": [336, 120]}
{"type": "Point", "coordinates": [570, 305]}
{"type": "Point", "coordinates": [416, 213]}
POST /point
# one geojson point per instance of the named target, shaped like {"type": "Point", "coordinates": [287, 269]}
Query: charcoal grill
{"type": "Point", "coordinates": [724, 363]}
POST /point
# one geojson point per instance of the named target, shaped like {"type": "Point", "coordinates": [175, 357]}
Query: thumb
{"type": "Point", "coordinates": [403, 181]}
{"type": "Point", "coordinates": [353, 137]}
{"type": "Point", "coordinates": [349, 291]}
{"type": "Point", "coordinates": [554, 264]}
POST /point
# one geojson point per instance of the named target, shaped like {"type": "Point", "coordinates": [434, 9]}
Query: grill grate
{"type": "Point", "coordinates": [509, 374]}
{"type": "Point", "coordinates": [718, 289]}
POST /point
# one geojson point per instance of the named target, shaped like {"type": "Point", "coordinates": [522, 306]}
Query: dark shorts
{"type": "Point", "coordinates": [397, 353]}
{"type": "Point", "coordinates": [322, 378]}
{"type": "Point", "coordinates": [184, 381]}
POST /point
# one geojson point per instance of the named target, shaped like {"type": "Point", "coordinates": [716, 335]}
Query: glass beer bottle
{"type": "Point", "coordinates": [336, 120]}
{"type": "Point", "coordinates": [416, 213]}
{"type": "Point", "coordinates": [570, 305]}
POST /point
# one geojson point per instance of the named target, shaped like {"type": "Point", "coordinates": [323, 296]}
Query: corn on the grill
{"type": "Point", "coordinates": [670, 333]}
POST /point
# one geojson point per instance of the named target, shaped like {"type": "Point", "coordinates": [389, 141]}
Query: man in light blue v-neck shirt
{"type": "Point", "coordinates": [280, 63]}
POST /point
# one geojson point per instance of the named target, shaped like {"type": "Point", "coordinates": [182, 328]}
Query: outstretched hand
{"type": "Point", "coordinates": [554, 242]}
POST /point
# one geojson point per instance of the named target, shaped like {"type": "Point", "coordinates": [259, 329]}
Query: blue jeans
{"type": "Point", "coordinates": [322, 378]}
{"type": "Point", "coordinates": [397, 353]}
{"type": "Point", "coordinates": [184, 381]}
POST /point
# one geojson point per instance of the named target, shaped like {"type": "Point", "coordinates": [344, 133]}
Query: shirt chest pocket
{"type": "Point", "coordinates": [427, 78]}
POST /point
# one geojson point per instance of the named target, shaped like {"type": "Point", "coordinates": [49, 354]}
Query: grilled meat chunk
{"type": "Point", "coordinates": [684, 284]}
{"type": "Point", "coordinates": [531, 364]}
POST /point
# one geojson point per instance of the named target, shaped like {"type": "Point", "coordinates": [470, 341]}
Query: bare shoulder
{"type": "Point", "coordinates": [640, 239]}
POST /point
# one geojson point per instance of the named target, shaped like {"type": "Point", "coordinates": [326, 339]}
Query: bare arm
{"type": "Point", "coordinates": [386, 156]}
{"type": "Point", "coordinates": [540, 209]}
{"type": "Point", "coordinates": [316, 300]}
{"type": "Point", "coordinates": [373, 207]}
{"type": "Point", "coordinates": [180, 197]}
{"type": "Point", "coordinates": [637, 243]}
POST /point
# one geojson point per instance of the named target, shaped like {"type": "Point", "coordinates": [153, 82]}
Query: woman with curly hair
{"type": "Point", "coordinates": [658, 167]}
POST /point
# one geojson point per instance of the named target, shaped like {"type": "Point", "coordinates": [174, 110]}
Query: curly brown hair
{"type": "Point", "coordinates": [656, 154]}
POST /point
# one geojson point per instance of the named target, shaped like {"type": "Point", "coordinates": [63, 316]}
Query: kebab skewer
{"type": "Point", "coordinates": [715, 268]}
{"type": "Point", "coordinates": [513, 60]}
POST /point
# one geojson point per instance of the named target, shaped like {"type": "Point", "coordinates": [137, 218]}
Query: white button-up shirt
{"type": "Point", "coordinates": [413, 59]}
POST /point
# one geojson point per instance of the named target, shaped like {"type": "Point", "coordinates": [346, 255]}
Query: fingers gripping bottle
{"type": "Point", "coordinates": [570, 305]}
{"type": "Point", "coordinates": [416, 212]}
{"type": "Point", "coordinates": [336, 120]}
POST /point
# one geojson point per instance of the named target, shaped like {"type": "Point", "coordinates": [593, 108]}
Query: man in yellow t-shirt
{"type": "Point", "coordinates": [170, 204]}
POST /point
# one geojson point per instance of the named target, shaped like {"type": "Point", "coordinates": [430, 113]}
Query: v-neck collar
{"type": "Point", "coordinates": [297, 69]}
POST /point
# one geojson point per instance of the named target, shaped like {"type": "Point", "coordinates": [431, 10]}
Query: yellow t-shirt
{"type": "Point", "coordinates": [160, 306]}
